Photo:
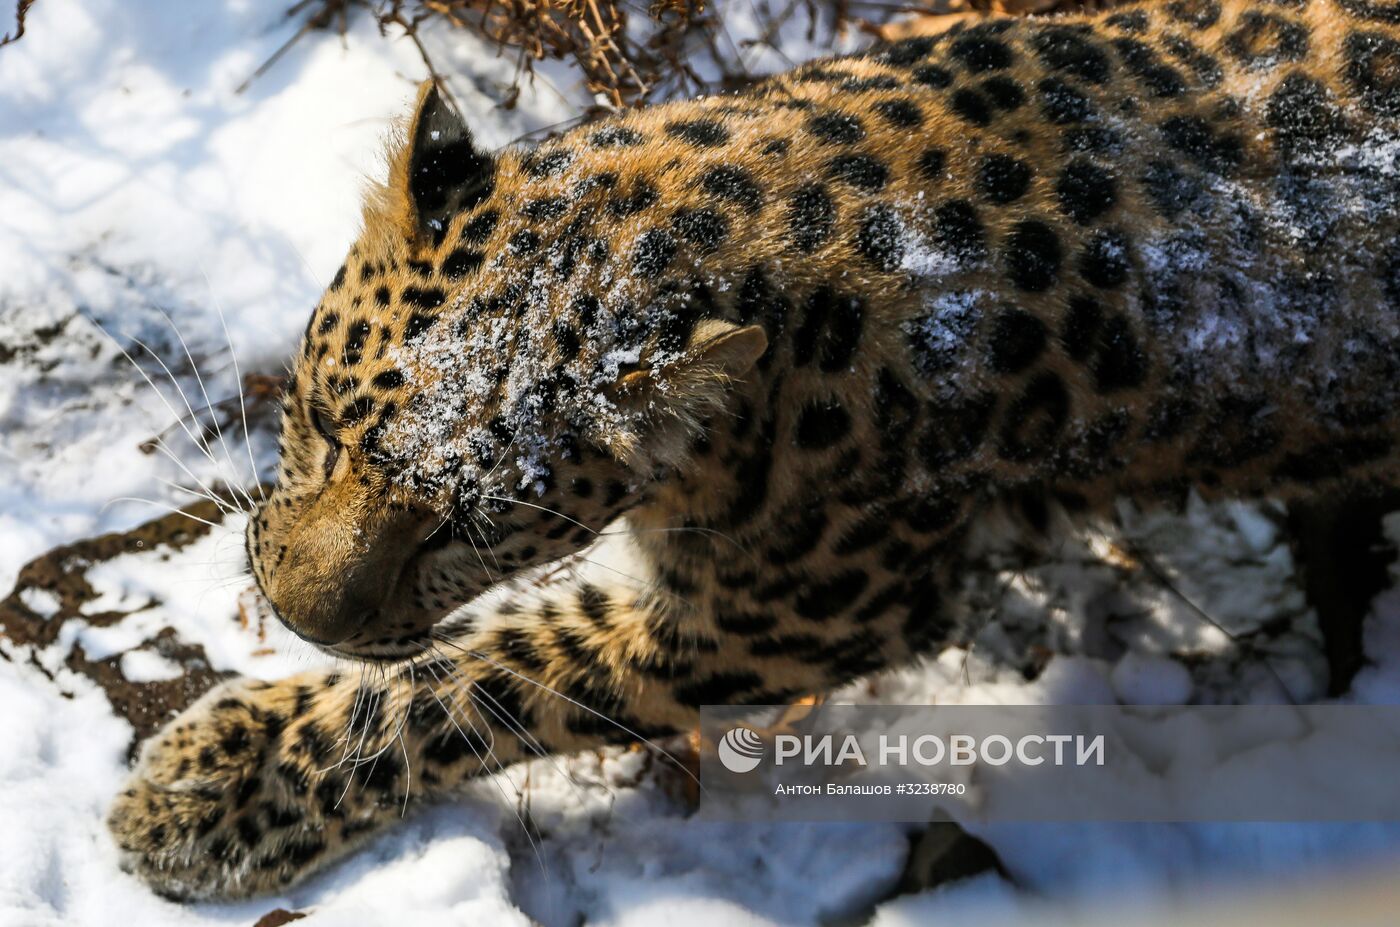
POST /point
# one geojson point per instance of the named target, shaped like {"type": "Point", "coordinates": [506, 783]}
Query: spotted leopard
{"type": "Point", "coordinates": [698, 404]}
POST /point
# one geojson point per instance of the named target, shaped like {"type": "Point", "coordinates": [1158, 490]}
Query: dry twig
{"type": "Point", "coordinates": [632, 52]}
{"type": "Point", "coordinates": [21, 11]}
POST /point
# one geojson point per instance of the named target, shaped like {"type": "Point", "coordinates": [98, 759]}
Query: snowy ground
{"type": "Point", "coordinates": [138, 190]}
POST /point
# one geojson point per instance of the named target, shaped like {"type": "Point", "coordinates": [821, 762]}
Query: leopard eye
{"type": "Point", "coordinates": [324, 427]}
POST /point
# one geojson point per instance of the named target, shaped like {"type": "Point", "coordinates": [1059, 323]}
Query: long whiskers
{"type": "Point", "coordinates": [484, 567]}
{"type": "Point", "coordinates": [204, 391]}
{"type": "Point", "coordinates": [199, 441]}
{"type": "Point", "coordinates": [160, 443]}
{"type": "Point", "coordinates": [502, 458]}
{"type": "Point", "coordinates": [630, 531]}
{"type": "Point", "coordinates": [174, 458]}
{"type": "Point", "coordinates": [223, 504]}
{"type": "Point", "coordinates": [541, 508]}
{"type": "Point", "coordinates": [511, 724]}
{"type": "Point", "coordinates": [371, 707]}
{"type": "Point", "coordinates": [407, 763]}
{"type": "Point", "coordinates": [481, 518]}
{"type": "Point", "coordinates": [478, 655]}
{"type": "Point", "coordinates": [484, 761]}
{"type": "Point", "coordinates": [238, 381]}
{"type": "Point", "coordinates": [349, 735]}
{"type": "Point", "coordinates": [579, 556]}
{"type": "Point", "coordinates": [682, 529]}
{"type": "Point", "coordinates": [390, 695]}
{"type": "Point", "coordinates": [164, 506]}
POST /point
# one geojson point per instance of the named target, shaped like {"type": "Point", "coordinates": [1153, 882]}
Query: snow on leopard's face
{"type": "Point", "coordinates": [455, 417]}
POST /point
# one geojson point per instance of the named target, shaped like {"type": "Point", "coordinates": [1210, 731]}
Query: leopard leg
{"type": "Point", "coordinates": [259, 784]}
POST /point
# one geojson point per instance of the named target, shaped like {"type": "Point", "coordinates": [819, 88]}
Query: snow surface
{"type": "Point", "coordinates": [140, 194]}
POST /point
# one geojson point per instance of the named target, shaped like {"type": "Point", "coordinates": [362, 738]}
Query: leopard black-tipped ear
{"type": "Point", "coordinates": [443, 173]}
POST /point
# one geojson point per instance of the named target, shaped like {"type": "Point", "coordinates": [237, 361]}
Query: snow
{"type": "Point", "coordinates": [1143, 680]}
{"type": "Point", "coordinates": [41, 602]}
{"type": "Point", "coordinates": [147, 666]}
{"type": "Point", "coordinates": [983, 897]}
{"type": "Point", "coordinates": [142, 194]}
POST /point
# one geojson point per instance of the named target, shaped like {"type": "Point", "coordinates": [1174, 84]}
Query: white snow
{"type": "Point", "coordinates": [41, 602]}
{"type": "Point", "coordinates": [1144, 680]}
{"type": "Point", "coordinates": [136, 185]}
{"type": "Point", "coordinates": [148, 666]}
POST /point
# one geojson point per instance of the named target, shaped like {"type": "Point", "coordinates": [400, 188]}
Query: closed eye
{"type": "Point", "coordinates": [325, 427]}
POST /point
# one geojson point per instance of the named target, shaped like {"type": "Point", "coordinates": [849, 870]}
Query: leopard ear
{"type": "Point", "coordinates": [718, 352]}
{"type": "Point", "coordinates": [669, 401]}
{"type": "Point", "coordinates": [439, 172]}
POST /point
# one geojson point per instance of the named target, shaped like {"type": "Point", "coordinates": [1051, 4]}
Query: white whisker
{"type": "Point", "coordinates": [238, 379]}
{"type": "Point", "coordinates": [577, 704]}
{"type": "Point", "coordinates": [479, 518]}
{"type": "Point", "coordinates": [160, 505]}
{"type": "Point", "coordinates": [495, 778]}
{"type": "Point", "coordinates": [541, 508]}
{"type": "Point", "coordinates": [199, 494]}
{"type": "Point", "coordinates": [204, 391]}
{"type": "Point", "coordinates": [501, 459]}
{"type": "Point", "coordinates": [485, 569]}
{"type": "Point", "coordinates": [511, 724]}
{"type": "Point", "coordinates": [682, 529]}
{"type": "Point", "coordinates": [179, 419]}
{"type": "Point", "coordinates": [174, 458]}
{"type": "Point", "coordinates": [200, 441]}
{"type": "Point", "coordinates": [407, 763]}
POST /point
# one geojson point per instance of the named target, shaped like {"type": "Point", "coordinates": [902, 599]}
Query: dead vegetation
{"type": "Point", "coordinates": [21, 11]}
{"type": "Point", "coordinates": [632, 52]}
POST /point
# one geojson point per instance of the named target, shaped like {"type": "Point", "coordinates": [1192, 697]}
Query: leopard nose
{"type": "Point", "coordinates": [338, 560]}
{"type": "Point", "coordinates": [330, 617]}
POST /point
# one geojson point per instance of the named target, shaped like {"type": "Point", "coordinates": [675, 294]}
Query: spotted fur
{"type": "Point", "coordinates": [790, 344]}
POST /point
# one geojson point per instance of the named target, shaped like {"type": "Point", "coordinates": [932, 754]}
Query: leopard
{"type": "Point", "coordinates": [699, 403]}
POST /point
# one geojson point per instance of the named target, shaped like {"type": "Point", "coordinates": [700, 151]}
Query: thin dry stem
{"type": "Point", "coordinates": [21, 11]}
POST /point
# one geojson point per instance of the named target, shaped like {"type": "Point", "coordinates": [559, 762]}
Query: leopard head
{"type": "Point", "coordinates": [457, 417]}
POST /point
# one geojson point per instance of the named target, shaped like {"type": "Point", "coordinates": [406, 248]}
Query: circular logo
{"type": "Point", "coordinates": [740, 750]}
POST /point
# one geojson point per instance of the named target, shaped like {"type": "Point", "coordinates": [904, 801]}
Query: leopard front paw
{"type": "Point", "coordinates": [234, 797]}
